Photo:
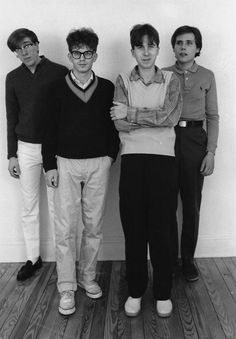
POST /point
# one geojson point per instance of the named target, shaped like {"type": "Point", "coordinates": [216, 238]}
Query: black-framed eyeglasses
{"type": "Point", "coordinates": [25, 47]}
{"type": "Point", "coordinates": [77, 54]}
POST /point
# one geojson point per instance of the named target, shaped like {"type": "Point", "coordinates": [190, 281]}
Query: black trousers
{"type": "Point", "coordinates": [147, 202]}
{"type": "Point", "coordinates": [190, 150]}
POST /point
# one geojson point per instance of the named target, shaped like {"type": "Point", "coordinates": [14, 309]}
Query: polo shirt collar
{"type": "Point", "coordinates": [158, 76]}
{"type": "Point", "coordinates": [40, 64]}
{"type": "Point", "coordinates": [192, 69]}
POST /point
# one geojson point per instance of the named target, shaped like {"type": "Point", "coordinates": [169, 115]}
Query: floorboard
{"type": "Point", "coordinates": [205, 309]}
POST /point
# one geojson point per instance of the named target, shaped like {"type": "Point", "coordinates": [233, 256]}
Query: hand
{"type": "Point", "coordinates": [52, 178]}
{"type": "Point", "coordinates": [13, 167]}
{"type": "Point", "coordinates": [208, 164]}
{"type": "Point", "coordinates": [118, 111]}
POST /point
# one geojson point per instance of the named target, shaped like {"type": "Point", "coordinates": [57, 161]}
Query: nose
{"type": "Point", "coordinates": [24, 51]}
{"type": "Point", "coordinates": [146, 50]}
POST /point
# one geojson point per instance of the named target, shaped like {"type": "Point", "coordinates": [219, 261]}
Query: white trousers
{"type": "Point", "coordinates": [30, 162]}
{"type": "Point", "coordinates": [82, 189]}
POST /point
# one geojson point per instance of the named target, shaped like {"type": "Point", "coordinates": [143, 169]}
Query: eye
{"type": "Point", "coordinates": [27, 46]}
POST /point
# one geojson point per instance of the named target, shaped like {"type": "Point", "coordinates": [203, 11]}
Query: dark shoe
{"type": "Point", "coordinates": [28, 270]}
{"type": "Point", "coordinates": [190, 271]}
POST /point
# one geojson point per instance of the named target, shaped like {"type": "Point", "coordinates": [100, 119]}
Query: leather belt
{"type": "Point", "coordinates": [190, 123]}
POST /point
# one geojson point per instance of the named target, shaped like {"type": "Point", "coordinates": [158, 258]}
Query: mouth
{"type": "Point", "coordinates": [183, 54]}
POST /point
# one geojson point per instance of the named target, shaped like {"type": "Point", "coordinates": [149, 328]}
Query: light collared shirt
{"type": "Point", "coordinates": [79, 83]}
{"type": "Point", "coordinates": [168, 115]}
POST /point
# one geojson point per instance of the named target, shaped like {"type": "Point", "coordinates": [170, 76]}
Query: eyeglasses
{"type": "Point", "coordinates": [24, 48]}
{"type": "Point", "coordinates": [86, 54]}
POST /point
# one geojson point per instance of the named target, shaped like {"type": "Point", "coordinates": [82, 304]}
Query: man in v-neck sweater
{"type": "Point", "coordinates": [80, 145]}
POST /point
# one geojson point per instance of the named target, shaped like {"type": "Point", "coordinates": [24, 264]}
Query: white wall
{"type": "Point", "coordinates": [112, 20]}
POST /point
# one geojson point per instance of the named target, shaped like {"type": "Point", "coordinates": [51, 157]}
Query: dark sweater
{"type": "Point", "coordinates": [25, 97]}
{"type": "Point", "coordinates": [78, 122]}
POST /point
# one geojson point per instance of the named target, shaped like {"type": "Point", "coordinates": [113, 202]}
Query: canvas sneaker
{"type": "Point", "coordinates": [92, 289]}
{"type": "Point", "coordinates": [133, 306]}
{"type": "Point", "coordinates": [67, 303]}
{"type": "Point", "coordinates": [164, 308]}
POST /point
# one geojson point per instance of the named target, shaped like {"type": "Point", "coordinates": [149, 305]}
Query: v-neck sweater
{"type": "Point", "coordinates": [78, 122]}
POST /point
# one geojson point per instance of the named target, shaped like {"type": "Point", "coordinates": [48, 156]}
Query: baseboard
{"type": "Point", "coordinates": [113, 249]}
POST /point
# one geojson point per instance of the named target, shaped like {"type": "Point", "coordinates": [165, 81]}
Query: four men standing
{"type": "Point", "coordinates": [80, 144]}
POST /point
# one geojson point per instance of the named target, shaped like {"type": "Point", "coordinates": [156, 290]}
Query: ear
{"type": "Point", "coordinates": [95, 56]}
{"type": "Point", "coordinates": [69, 57]}
{"type": "Point", "coordinates": [132, 53]}
{"type": "Point", "coordinates": [158, 50]}
{"type": "Point", "coordinates": [37, 45]}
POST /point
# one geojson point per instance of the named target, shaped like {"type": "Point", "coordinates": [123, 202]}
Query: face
{"type": "Point", "coordinates": [28, 53]}
{"type": "Point", "coordinates": [185, 48]}
{"type": "Point", "coordinates": [146, 53]}
{"type": "Point", "coordinates": [83, 65]}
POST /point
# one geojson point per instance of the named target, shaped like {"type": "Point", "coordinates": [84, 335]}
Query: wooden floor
{"type": "Point", "coordinates": [204, 309]}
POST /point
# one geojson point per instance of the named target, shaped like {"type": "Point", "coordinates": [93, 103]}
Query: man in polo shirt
{"type": "Point", "coordinates": [26, 91]}
{"type": "Point", "coordinates": [195, 146]}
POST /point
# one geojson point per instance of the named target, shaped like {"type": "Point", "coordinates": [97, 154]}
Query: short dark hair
{"type": "Point", "coordinates": [139, 31]}
{"type": "Point", "coordinates": [82, 37]}
{"type": "Point", "coordinates": [18, 35]}
{"type": "Point", "coordinates": [188, 29]}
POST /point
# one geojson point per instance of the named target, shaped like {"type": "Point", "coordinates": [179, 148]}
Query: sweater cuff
{"type": "Point", "coordinates": [131, 114]}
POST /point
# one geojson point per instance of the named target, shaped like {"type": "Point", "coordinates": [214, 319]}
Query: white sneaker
{"type": "Point", "coordinates": [164, 308]}
{"type": "Point", "coordinates": [67, 302]}
{"type": "Point", "coordinates": [133, 306]}
{"type": "Point", "coordinates": [93, 290]}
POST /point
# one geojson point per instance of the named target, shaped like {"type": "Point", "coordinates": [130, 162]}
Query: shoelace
{"type": "Point", "coordinates": [67, 294]}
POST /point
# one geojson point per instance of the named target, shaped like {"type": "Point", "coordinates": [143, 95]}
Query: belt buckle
{"type": "Point", "coordinates": [183, 123]}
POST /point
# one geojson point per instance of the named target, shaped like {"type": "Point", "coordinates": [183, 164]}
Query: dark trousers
{"type": "Point", "coordinates": [190, 150]}
{"type": "Point", "coordinates": [147, 202]}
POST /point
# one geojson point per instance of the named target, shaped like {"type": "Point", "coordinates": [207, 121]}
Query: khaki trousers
{"type": "Point", "coordinates": [82, 189]}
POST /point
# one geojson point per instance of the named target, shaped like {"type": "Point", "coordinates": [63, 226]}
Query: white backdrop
{"type": "Point", "coordinates": [112, 20]}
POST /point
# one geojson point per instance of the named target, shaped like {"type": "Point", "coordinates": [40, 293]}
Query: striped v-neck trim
{"type": "Point", "coordinates": [84, 95]}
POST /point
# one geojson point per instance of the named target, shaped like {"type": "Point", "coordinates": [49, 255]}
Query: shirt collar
{"type": "Point", "coordinates": [192, 69]}
{"type": "Point", "coordinates": [41, 62]}
{"type": "Point", "coordinates": [79, 83]}
{"type": "Point", "coordinates": [157, 77]}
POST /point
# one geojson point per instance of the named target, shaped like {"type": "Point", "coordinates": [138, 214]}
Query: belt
{"type": "Point", "coordinates": [190, 123]}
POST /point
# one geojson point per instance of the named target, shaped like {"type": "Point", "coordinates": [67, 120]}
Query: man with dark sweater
{"type": "Point", "coordinates": [80, 145]}
{"type": "Point", "coordinates": [26, 90]}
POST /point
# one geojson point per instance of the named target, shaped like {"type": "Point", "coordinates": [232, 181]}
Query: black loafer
{"type": "Point", "coordinates": [190, 271]}
{"type": "Point", "coordinates": [29, 269]}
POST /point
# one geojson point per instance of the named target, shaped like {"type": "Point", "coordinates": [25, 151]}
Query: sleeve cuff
{"type": "Point", "coordinates": [131, 114]}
